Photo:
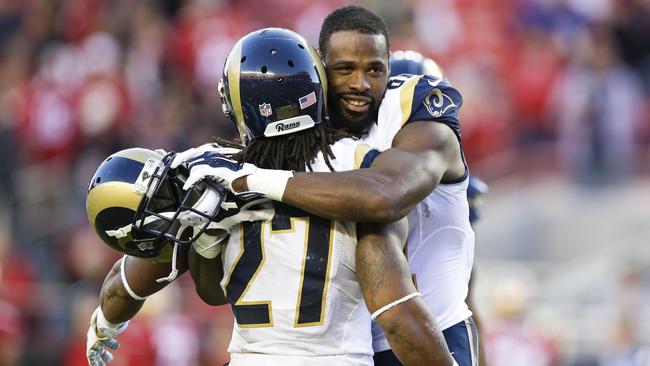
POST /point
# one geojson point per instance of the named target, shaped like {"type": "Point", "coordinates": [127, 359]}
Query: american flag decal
{"type": "Point", "coordinates": [307, 100]}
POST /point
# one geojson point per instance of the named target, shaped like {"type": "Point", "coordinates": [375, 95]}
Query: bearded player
{"type": "Point", "coordinates": [422, 174]}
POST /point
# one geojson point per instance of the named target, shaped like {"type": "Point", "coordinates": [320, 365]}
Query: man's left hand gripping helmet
{"type": "Point", "coordinates": [134, 201]}
{"type": "Point", "coordinates": [273, 84]}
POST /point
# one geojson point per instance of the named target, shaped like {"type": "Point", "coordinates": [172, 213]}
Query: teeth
{"type": "Point", "coordinates": [356, 102]}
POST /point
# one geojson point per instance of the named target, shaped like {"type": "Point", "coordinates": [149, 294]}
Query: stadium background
{"type": "Point", "coordinates": [556, 120]}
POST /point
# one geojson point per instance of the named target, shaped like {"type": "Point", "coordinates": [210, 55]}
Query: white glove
{"type": "Point", "coordinates": [212, 161]}
{"type": "Point", "coordinates": [101, 335]}
{"type": "Point", "coordinates": [208, 245]}
{"type": "Point", "coordinates": [194, 152]}
{"type": "Point", "coordinates": [206, 204]}
{"type": "Point", "coordinates": [218, 167]}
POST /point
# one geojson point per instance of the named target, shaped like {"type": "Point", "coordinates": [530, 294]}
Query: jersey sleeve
{"type": "Point", "coordinates": [436, 100]}
{"type": "Point", "coordinates": [364, 155]}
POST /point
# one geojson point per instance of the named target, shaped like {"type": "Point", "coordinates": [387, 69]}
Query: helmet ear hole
{"type": "Point", "coordinates": [301, 46]}
{"type": "Point", "coordinates": [264, 69]}
{"type": "Point", "coordinates": [290, 63]}
{"type": "Point", "coordinates": [243, 59]}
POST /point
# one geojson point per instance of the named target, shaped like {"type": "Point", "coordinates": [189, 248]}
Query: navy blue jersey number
{"type": "Point", "coordinates": [314, 274]}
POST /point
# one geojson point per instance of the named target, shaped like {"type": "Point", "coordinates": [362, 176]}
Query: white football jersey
{"type": "Point", "coordinates": [440, 244]}
{"type": "Point", "coordinates": [293, 288]}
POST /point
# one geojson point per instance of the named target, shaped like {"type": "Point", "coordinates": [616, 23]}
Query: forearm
{"type": "Point", "coordinates": [384, 193]}
{"type": "Point", "coordinates": [384, 277]}
{"type": "Point", "coordinates": [414, 336]}
{"type": "Point", "coordinates": [359, 195]}
{"type": "Point", "coordinates": [207, 274]}
{"type": "Point", "coordinates": [120, 304]}
{"type": "Point", "coordinates": [116, 303]}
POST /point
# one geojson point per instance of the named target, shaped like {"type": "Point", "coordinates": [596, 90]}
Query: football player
{"type": "Point", "coordinates": [297, 284]}
{"type": "Point", "coordinates": [321, 315]}
{"type": "Point", "coordinates": [422, 173]}
{"type": "Point", "coordinates": [127, 190]}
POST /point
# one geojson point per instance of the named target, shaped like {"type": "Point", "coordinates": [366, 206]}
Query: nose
{"type": "Point", "coordinates": [359, 82]}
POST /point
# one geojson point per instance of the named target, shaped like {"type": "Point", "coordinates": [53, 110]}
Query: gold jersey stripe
{"type": "Point", "coordinates": [406, 97]}
{"type": "Point", "coordinates": [359, 153]}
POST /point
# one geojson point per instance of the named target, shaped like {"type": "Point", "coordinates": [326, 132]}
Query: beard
{"type": "Point", "coordinates": [353, 122]}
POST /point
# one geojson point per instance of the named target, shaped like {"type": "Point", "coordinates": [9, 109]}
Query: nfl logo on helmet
{"type": "Point", "coordinates": [265, 109]}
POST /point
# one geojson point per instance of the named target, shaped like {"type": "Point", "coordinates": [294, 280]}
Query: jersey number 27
{"type": "Point", "coordinates": [315, 266]}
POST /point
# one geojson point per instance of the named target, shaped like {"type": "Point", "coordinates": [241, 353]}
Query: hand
{"type": "Point", "coordinates": [101, 335]}
{"type": "Point", "coordinates": [208, 245]}
{"type": "Point", "coordinates": [198, 154]}
{"type": "Point", "coordinates": [217, 167]}
{"type": "Point", "coordinates": [194, 152]}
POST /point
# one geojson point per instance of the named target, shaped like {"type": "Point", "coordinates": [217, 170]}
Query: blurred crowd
{"type": "Point", "coordinates": [561, 85]}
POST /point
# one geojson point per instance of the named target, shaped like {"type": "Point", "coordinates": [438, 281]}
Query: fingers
{"type": "Point", "coordinates": [106, 356]}
{"type": "Point", "coordinates": [206, 204]}
{"type": "Point", "coordinates": [99, 357]}
{"type": "Point", "coordinates": [192, 180]}
{"type": "Point", "coordinates": [111, 343]}
{"type": "Point", "coordinates": [197, 151]}
{"type": "Point", "coordinates": [181, 157]}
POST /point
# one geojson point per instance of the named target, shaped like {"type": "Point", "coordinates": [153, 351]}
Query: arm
{"type": "Point", "coordinates": [118, 306]}
{"type": "Point", "coordinates": [422, 154]}
{"type": "Point", "coordinates": [384, 277]}
{"type": "Point", "coordinates": [116, 302]}
{"type": "Point", "coordinates": [207, 273]}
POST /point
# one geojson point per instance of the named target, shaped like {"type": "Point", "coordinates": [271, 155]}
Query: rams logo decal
{"type": "Point", "coordinates": [438, 103]}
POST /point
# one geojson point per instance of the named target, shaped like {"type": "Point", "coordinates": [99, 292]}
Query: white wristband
{"type": "Point", "coordinates": [126, 284]}
{"type": "Point", "coordinates": [271, 183]}
{"type": "Point", "coordinates": [393, 304]}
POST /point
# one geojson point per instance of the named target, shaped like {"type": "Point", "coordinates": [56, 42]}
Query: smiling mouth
{"type": "Point", "coordinates": [356, 105]}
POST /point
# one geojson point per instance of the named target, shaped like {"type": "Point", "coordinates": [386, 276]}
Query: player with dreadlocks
{"type": "Point", "coordinates": [297, 283]}
{"type": "Point", "coordinates": [293, 152]}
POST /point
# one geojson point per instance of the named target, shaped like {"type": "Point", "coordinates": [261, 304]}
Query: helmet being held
{"type": "Point", "coordinates": [273, 84]}
{"type": "Point", "coordinates": [134, 201]}
{"type": "Point", "coordinates": [414, 63]}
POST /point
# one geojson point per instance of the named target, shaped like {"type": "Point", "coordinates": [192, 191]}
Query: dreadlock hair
{"type": "Point", "coordinates": [351, 18]}
{"type": "Point", "coordinates": [295, 151]}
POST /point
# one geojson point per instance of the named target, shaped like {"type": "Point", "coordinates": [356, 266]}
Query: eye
{"type": "Point", "coordinates": [343, 69]}
{"type": "Point", "coordinates": [377, 70]}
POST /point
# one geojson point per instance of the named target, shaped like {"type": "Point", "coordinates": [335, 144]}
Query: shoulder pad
{"type": "Point", "coordinates": [434, 99]}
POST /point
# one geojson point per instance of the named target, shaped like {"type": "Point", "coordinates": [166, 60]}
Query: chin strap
{"type": "Point", "coordinates": [174, 272]}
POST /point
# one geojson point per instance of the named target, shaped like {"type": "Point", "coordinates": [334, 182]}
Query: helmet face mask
{"type": "Point", "coordinates": [157, 217]}
{"type": "Point", "coordinates": [134, 201]}
{"type": "Point", "coordinates": [273, 84]}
